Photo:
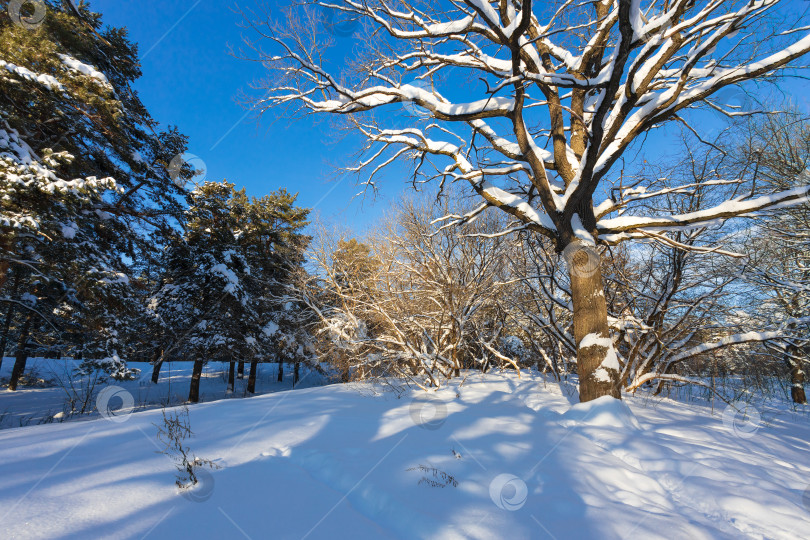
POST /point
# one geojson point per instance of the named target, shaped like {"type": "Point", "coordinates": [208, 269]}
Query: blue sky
{"type": "Point", "coordinates": [191, 80]}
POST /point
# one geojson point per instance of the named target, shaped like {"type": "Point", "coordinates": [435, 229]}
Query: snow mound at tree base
{"type": "Point", "coordinates": [494, 457]}
{"type": "Point", "coordinates": [605, 412]}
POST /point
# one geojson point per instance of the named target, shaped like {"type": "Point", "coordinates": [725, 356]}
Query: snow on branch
{"type": "Point", "coordinates": [556, 96]}
{"type": "Point", "coordinates": [727, 341]}
{"type": "Point", "coordinates": [609, 229]}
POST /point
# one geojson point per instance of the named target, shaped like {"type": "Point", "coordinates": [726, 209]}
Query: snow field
{"type": "Point", "coordinates": [507, 457]}
{"type": "Point", "coordinates": [35, 405]}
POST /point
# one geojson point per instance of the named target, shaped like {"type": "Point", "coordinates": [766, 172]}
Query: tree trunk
{"type": "Point", "coordinates": [280, 370]}
{"type": "Point", "coordinates": [295, 373]}
{"type": "Point", "coordinates": [4, 337]}
{"type": "Point", "coordinates": [796, 375]}
{"type": "Point", "coordinates": [797, 385]}
{"type": "Point", "coordinates": [231, 368]}
{"type": "Point", "coordinates": [596, 360]}
{"type": "Point", "coordinates": [454, 352]}
{"type": "Point", "coordinates": [7, 322]}
{"type": "Point", "coordinates": [196, 374]}
{"type": "Point", "coordinates": [156, 361]}
{"type": "Point", "coordinates": [668, 370]}
{"type": "Point", "coordinates": [5, 264]}
{"type": "Point", "coordinates": [251, 387]}
{"type": "Point", "coordinates": [456, 365]}
{"type": "Point", "coordinates": [156, 371]}
{"type": "Point", "coordinates": [22, 355]}
{"type": "Point", "coordinates": [241, 372]}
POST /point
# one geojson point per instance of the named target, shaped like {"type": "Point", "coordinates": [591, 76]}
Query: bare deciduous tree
{"type": "Point", "coordinates": [532, 104]}
{"type": "Point", "coordinates": [777, 148]}
{"type": "Point", "coordinates": [409, 301]}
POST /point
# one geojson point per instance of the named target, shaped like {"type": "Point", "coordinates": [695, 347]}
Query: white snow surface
{"type": "Point", "coordinates": [46, 80]}
{"type": "Point", "coordinates": [333, 462]}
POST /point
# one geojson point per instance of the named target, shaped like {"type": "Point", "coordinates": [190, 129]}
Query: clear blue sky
{"type": "Point", "coordinates": [191, 80]}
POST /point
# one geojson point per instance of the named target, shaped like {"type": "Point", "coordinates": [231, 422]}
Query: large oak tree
{"type": "Point", "coordinates": [532, 105]}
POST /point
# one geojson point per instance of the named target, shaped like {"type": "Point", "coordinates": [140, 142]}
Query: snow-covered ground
{"type": "Point", "coordinates": [37, 405]}
{"type": "Point", "coordinates": [501, 457]}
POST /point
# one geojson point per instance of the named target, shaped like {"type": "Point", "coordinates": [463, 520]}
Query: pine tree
{"type": "Point", "coordinates": [69, 112]}
{"type": "Point", "coordinates": [272, 239]}
{"type": "Point", "coordinates": [49, 232]}
{"type": "Point", "coordinates": [207, 306]}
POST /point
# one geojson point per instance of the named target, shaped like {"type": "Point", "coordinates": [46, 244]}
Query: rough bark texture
{"type": "Point", "coordinates": [797, 389]}
{"type": "Point", "coordinates": [231, 369]}
{"type": "Point", "coordinates": [251, 386]}
{"type": "Point", "coordinates": [796, 375]}
{"type": "Point", "coordinates": [22, 355]}
{"type": "Point", "coordinates": [241, 371]}
{"type": "Point", "coordinates": [590, 317]}
{"type": "Point", "coordinates": [194, 389]}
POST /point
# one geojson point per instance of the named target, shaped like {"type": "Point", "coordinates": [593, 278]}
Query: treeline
{"type": "Point", "coordinates": [418, 301]}
{"type": "Point", "coordinates": [109, 250]}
